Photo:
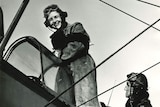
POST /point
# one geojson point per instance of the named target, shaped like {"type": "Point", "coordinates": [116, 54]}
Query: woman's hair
{"type": "Point", "coordinates": [52, 8]}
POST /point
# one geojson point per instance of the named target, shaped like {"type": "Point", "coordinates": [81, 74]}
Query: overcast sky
{"type": "Point", "coordinates": [109, 29]}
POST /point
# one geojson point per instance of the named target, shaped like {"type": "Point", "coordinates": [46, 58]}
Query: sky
{"type": "Point", "coordinates": [109, 29]}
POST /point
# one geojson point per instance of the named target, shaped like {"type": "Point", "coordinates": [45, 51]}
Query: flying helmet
{"type": "Point", "coordinates": [138, 81]}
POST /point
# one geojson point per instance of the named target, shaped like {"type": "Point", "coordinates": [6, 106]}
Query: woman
{"type": "Point", "coordinates": [71, 44]}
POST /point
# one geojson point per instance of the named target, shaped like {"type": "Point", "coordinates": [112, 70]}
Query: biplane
{"type": "Point", "coordinates": [26, 67]}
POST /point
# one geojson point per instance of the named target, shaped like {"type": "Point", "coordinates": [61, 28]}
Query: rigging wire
{"type": "Point", "coordinates": [120, 83]}
{"type": "Point", "coordinates": [148, 3]}
{"type": "Point", "coordinates": [128, 14]}
{"type": "Point", "coordinates": [52, 100]}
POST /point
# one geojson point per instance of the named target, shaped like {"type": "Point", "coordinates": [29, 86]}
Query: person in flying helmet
{"type": "Point", "coordinates": [136, 91]}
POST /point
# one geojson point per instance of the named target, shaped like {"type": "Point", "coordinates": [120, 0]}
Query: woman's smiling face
{"type": "Point", "coordinates": [55, 20]}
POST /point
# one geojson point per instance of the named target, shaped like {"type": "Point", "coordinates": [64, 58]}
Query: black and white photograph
{"type": "Point", "coordinates": [79, 53]}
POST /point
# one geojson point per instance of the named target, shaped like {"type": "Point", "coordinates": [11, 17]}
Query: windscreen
{"type": "Point", "coordinates": [34, 60]}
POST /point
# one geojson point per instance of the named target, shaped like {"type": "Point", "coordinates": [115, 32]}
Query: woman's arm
{"type": "Point", "coordinates": [71, 49]}
{"type": "Point", "coordinates": [78, 40]}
